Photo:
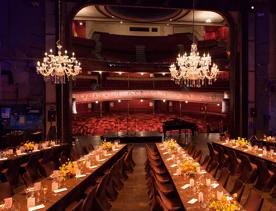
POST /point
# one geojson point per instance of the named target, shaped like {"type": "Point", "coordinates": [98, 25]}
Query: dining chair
{"type": "Point", "coordinates": [12, 174]}
{"type": "Point", "coordinates": [238, 189]}
{"type": "Point", "coordinates": [75, 206]}
{"type": "Point", "coordinates": [205, 161]}
{"type": "Point", "coordinates": [197, 154]}
{"type": "Point", "coordinates": [254, 201]}
{"type": "Point", "coordinates": [212, 168]}
{"type": "Point", "coordinates": [47, 168]}
{"type": "Point", "coordinates": [6, 190]}
{"type": "Point", "coordinates": [213, 154]}
{"type": "Point", "coordinates": [234, 162]}
{"type": "Point", "coordinates": [89, 201]}
{"type": "Point", "coordinates": [170, 203]}
{"type": "Point", "coordinates": [263, 176]}
{"type": "Point", "coordinates": [273, 208]}
{"type": "Point", "coordinates": [224, 176]}
{"type": "Point", "coordinates": [101, 199]}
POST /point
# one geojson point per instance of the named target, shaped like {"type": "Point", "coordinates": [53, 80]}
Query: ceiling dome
{"type": "Point", "coordinates": [142, 14]}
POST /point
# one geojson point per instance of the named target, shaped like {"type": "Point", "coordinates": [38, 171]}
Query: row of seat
{"type": "Point", "coordinates": [161, 192]}
{"type": "Point", "coordinates": [245, 172]}
{"type": "Point", "coordinates": [164, 197]}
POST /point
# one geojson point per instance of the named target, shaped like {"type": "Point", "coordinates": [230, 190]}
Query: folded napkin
{"type": "Point", "coordinates": [170, 158]}
{"type": "Point", "coordinates": [165, 153]}
{"type": "Point", "coordinates": [108, 154]}
{"type": "Point", "coordinates": [3, 158]}
{"type": "Point", "coordinates": [22, 153]}
{"type": "Point", "coordinates": [260, 155]}
{"type": "Point", "coordinates": [185, 186]}
{"type": "Point", "coordinates": [93, 167]}
{"type": "Point", "coordinates": [60, 190]}
{"type": "Point", "coordinates": [245, 150]}
{"type": "Point", "coordinates": [203, 172]}
{"type": "Point", "coordinates": [81, 175]}
{"type": "Point", "coordinates": [41, 206]}
{"type": "Point", "coordinates": [100, 160]}
{"type": "Point", "coordinates": [229, 198]}
{"type": "Point", "coordinates": [173, 165]}
{"type": "Point", "coordinates": [215, 185]}
{"type": "Point", "coordinates": [192, 201]}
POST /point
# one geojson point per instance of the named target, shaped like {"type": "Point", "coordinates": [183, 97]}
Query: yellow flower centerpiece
{"type": "Point", "coordinates": [242, 142]}
{"type": "Point", "coordinates": [68, 169]}
{"type": "Point", "coordinates": [224, 204]}
{"type": "Point", "coordinates": [29, 146]}
{"type": "Point", "coordinates": [171, 144]}
{"type": "Point", "coordinates": [106, 145]}
{"type": "Point", "coordinates": [188, 167]}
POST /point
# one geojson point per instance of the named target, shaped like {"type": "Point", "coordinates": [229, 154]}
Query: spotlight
{"type": "Point", "coordinates": [120, 73]}
{"type": "Point", "coordinates": [97, 102]}
{"type": "Point", "coordinates": [218, 104]}
{"type": "Point", "coordinates": [164, 100]}
{"type": "Point", "coordinates": [121, 22]}
{"type": "Point", "coordinates": [252, 7]}
{"type": "Point", "coordinates": [141, 100]}
{"type": "Point", "coordinates": [119, 101]}
{"type": "Point", "coordinates": [100, 72]}
{"type": "Point", "coordinates": [163, 74]}
{"type": "Point", "coordinates": [81, 23]}
{"type": "Point", "coordinates": [142, 73]}
{"type": "Point", "coordinates": [208, 20]}
{"type": "Point", "coordinates": [186, 101]}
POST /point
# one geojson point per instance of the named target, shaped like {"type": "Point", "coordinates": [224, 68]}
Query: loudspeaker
{"type": "Point", "coordinates": [51, 115]}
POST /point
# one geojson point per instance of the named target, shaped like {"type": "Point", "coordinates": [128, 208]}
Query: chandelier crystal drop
{"type": "Point", "coordinates": [61, 65]}
{"type": "Point", "coordinates": [193, 70]}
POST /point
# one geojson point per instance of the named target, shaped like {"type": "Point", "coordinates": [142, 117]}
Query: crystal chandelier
{"type": "Point", "coordinates": [193, 70]}
{"type": "Point", "coordinates": [59, 66]}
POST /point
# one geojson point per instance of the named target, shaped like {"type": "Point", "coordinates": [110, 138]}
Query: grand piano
{"type": "Point", "coordinates": [178, 124]}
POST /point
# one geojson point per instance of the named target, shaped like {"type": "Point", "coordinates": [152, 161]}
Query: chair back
{"type": "Point", "coordinates": [6, 190]}
{"type": "Point", "coordinates": [89, 200]}
{"type": "Point", "coordinates": [254, 201]}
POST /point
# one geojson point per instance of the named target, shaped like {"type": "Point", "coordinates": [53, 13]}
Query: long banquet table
{"type": "Point", "coordinates": [253, 153]}
{"type": "Point", "coordinates": [24, 157]}
{"type": "Point", "coordinates": [187, 193]}
{"type": "Point", "coordinates": [75, 186]}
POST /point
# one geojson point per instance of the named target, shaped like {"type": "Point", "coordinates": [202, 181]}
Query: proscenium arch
{"type": "Point", "coordinates": [235, 63]}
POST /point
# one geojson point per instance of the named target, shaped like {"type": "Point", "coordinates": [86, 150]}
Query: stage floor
{"type": "Point", "coordinates": [134, 137]}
